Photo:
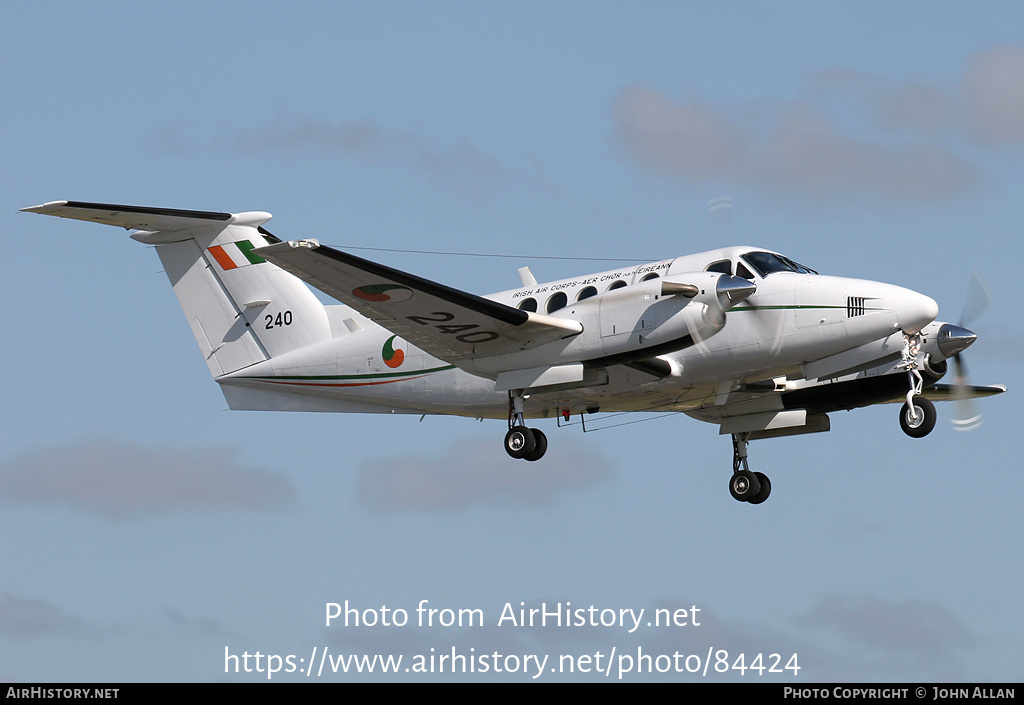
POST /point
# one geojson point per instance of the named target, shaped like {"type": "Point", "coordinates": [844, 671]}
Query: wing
{"type": "Point", "coordinates": [449, 324]}
{"type": "Point", "coordinates": [948, 392]}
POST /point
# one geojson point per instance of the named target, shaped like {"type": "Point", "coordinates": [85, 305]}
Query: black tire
{"type": "Point", "coordinates": [925, 422]}
{"type": "Point", "coordinates": [744, 485]}
{"type": "Point", "coordinates": [766, 488]}
{"type": "Point", "coordinates": [519, 442]}
{"type": "Point", "coordinates": [541, 446]}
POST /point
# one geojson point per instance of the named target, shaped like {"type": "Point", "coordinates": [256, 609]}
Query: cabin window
{"type": "Point", "coordinates": [557, 301]}
{"type": "Point", "coordinates": [617, 284]}
{"type": "Point", "coordinates": [529, 304]}
{"type": "Point", "coordinates": [586, 292]}
{"type": "Point", "coordinates": [648, 277]}
{"type": "Point", "coordinates": [722, 267]}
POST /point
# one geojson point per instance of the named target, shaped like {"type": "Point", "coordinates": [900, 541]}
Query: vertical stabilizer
{"type": "Point", "coordinates": [241, 308]}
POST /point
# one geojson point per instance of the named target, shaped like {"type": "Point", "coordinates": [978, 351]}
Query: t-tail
{"type": "Point", "coordinates": [242, 309]}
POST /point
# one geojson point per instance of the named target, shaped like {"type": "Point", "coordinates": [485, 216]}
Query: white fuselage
{"type": "Point", "coordinates": [791, 320]}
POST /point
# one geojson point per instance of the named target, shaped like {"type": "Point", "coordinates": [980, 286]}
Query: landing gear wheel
{"type": "Point", "coordinates": [744, 485]}
{"type": "Point", "coordinates": [924, 422]}
{"type": "Point", "coordinates": [766, 489]}
{"type": "Point", "coordinates": [520, 442]}
{"type": "Point", "coordinates": [541, 445]}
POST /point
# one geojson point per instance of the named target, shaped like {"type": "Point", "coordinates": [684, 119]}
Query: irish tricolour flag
{"type": "Point", "coordinates": [235, 254]}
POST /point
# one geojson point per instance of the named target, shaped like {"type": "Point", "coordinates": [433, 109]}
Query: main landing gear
{"type": "Point", "coordinates": [917, 417]}
{"type": "Point", "coordinates": [520, 441]}
{"type": "Point", "coordinates": [744, 485]}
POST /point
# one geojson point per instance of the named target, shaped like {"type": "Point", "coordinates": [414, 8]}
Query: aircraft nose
{"type": "Point", "coordinates": [915, 311]}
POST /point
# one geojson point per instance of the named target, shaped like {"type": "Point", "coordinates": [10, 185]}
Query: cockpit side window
{"type": "Point", "coordinates": [722, 267]}
{"type": "Point", "coordinates": [742, 271]}
{"type": "Point", "coordinates": [765, 263]}
{"type": "Point", "coordinates": [797, 266]}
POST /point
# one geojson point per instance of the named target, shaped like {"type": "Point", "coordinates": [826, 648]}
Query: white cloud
{"type": "Point", "coordinates": [892, 106]}
{"type": "Point", "coordinates": [119, 480]}
{"type": "Point", "coordinates": [919, 625]}
{"type": "Point", "coordinates": [807, 153]}
{"type": "Point", "coordinates": [195, 626]}
{"type": "Point", "coordinates": [796, 150]}
{"type": "Point", "coordinates": [994, 91]}
{"type": "Point", "coordinates": [850, 134]}
{"type": "Point", "coordinates": [985, 105]}
{"type": "Point", "coordinates": [476, 474]}
{"type": "Point", "coordinates": [28, 618]}
{"type": "Point", "coordinates": [893, 639]}
{"type": "Point", "coordinates": [358, 138]}
{"type": "Point", "coordinates": [686, 139]}
{"type": "Point", "coordinates": [463, 168]}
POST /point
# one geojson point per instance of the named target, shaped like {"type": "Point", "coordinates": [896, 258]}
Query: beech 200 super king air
{"type": "Point", "coordinates": [741, 337]}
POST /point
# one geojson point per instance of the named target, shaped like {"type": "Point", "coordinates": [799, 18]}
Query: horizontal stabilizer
{"type": "Point", "coordinates": [165, 220]}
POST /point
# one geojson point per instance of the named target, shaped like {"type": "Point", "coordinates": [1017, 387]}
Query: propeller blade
{"type": "Point", "coordinates": [979, 298]}
{"type": "Point", "coordinates": [720, 210]}
{"type": "Point", "coordinates": [965, 415]}
{"type": "Point", "coordinates": [955, 339]}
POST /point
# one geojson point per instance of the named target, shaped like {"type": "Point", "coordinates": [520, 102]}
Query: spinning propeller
{"type": "Point", "coordinates": [720, 211]}
{"type": "Point", "coordinates": [954, 339]}
{"type": "Point", "coordinates": [770, 324]}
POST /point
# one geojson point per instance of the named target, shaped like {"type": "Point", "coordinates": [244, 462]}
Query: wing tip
{"type": "Point", "coordinates": [44, 208]}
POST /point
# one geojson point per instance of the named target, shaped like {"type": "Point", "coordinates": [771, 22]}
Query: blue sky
{"type": "Point", "coordinates": [147, 529]}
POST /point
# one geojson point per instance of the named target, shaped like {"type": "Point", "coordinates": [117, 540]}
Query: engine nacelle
{"type": "Point", "coordinates": [934, 370]}
{"type": "Point", "coordinates": [632, 323]}
{"type": "Point", "coordinates": [659, 316]}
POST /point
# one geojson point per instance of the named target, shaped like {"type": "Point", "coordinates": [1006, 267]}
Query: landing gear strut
{"type": "Point", "coordinates": [522, 442]}
{"type": "Point", "coordinates": [917, 417]}
{"type": "Point", "coordinates": [744, 485]}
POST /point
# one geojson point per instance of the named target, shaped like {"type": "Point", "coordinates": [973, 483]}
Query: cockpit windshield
{"type": "Point", "coordinates": [765, 263]}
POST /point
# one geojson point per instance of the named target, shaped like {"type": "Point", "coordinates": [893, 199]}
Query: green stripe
{"type": "Point", "coordinates": [247, 249]}
{"type": "Point", "coordinates": [794, 307]}
{"type": "Point", "coordinates": [368, 376]}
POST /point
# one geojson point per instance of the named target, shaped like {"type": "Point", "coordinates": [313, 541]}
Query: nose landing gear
{"type": "Point", "coordinates": [917, 417]}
